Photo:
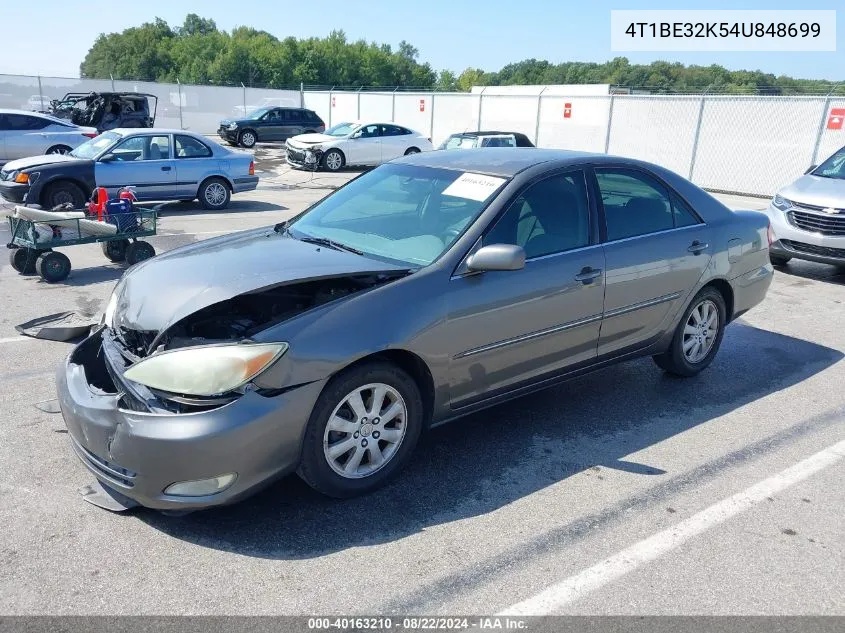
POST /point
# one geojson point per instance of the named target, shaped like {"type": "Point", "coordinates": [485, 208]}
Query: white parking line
{"type": "Point", "coordinates": [571, 589]}
{"type": "Point", "coordinates": [16, 339]}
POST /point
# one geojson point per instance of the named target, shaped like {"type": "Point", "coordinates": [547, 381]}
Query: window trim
{"type": "Point", "coordinates": [170, 147]}
{"type": "Point", "coordinates": [193, 138]}
{"type": "Point", "coordinates": [670, 192]}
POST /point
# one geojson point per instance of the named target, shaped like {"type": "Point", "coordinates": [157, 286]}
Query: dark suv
{"type": "Point", "coordinates": [270, 124]}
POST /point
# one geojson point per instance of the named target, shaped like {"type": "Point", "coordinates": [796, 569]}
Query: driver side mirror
{"type": "Point", "coordinates": [810, 168]}
{"type": "Point", "coordinates": [356, 134]}
{"type": "Point", "coordinates": [108, 158]}
{"type": "Point", "coordinates": [497, 257]}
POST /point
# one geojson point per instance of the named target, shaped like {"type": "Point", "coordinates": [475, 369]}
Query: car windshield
{"type": "Point", "coordinates": [95, 146]}
{"type": "Point", "coordinates": [257, 114]}
{"type": "Point", "coordinates": [402, 214]}
{"type": "Point", "coordinates": [833, 167]}
{"type": "Point", "coordinates": [457, 141]}
{"type": "Point", "coordinates": [341, 129]}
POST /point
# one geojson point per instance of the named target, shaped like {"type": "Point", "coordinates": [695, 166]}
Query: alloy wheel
{"type": "Point", "coordinates": [365, 430]}
{"type": "Point", "coordinates": [215, 194]}
{"type": "Point", "coordinates": [333, 161]}
{"type": "Point", "coordinates": [700, 331]}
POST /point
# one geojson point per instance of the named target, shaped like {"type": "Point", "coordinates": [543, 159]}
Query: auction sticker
{"type": "Point", "coordinates": [473, 186]}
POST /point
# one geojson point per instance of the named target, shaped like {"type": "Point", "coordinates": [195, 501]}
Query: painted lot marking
{"type": "Point", "coordinates": [575, 587]}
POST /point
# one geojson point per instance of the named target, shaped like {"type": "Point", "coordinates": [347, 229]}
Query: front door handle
{"type": "Point", "coordinates": [697, 247]}
{"type": "Point", "coordinates": [166, 168]}
{"type": "Point", "coordinates": [588, 274]}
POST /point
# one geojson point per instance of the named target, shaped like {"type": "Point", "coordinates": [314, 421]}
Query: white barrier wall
{"type": "Point", "coordinates": [755, 145]}
{"type": "Point", "coordinates": [744, 144]}
{"type": "Point", "coordinates": [584, 129]}
{"type": "Point", "coordinates": [656, 129]}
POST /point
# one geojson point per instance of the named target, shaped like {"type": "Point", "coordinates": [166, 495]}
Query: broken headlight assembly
{"type": "Point", "coordinates": [209, 370]}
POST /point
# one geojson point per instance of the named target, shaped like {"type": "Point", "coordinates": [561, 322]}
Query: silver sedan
{"type": "Point", "coordinates": [25, 134]}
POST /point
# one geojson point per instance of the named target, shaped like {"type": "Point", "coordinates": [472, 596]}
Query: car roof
{"type": "Point", "coordinates": [129, 131]}
{"type": "Point", "coordinates": [27, 112]}
{"type": "Point", "coordinates": [498, 161]}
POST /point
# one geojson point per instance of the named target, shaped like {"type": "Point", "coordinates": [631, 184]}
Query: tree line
{"type": "Point", "coordinates": [200, 53]}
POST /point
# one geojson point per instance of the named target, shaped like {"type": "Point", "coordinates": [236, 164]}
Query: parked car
{"type": "Point", "coordinates": [25, 133]}
{"type": "Point", "coordinates": [423, 290]}
{"type": "Point", "coordinates": [160, 164]}
{"type": "Point", "coordinates": [107, 110]}
{"type": "Point", "coordinates": [470, 140]}
{"type": "Point", "coordinates": [241, 111]}
{"type": "Point", "coordinates": [270, 124]}
{"type": "Point", "coordinates": [355, 143]}
{"type": "Point", "coordinates": [808, 216]}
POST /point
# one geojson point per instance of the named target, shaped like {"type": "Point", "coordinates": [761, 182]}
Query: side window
{"type": "Point", "coordinates": [4, 122]}
{"type": "Point", "coordinates": [189, 147]}
{"type": "Point", "coordinates": [682, 214]}
{"type": "Point", "coordinates": [370, 131]}
{"type": "Point", "coordinates": [634, 204]}
{"type": "Point", "coordinates": [139, 148]}
{"type": "Point", "coordinates": [23, 122]}
{"type": "Point", "coordinates": [550, 216]}
{"type": "Point", "coordinates": [392, 130]}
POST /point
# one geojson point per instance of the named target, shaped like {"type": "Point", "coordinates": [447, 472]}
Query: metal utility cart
{"type": "Point", "coordinates": [32, 250]}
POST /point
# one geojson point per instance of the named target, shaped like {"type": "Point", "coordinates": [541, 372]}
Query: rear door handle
{"type": "Point", "coordinates": [588, 274]}
{"type": "Point", "coordinates": [166, 168]}
{"type": "Point", "coordinates": [697, 247]}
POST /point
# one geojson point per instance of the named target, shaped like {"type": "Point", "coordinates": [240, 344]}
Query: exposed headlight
{"type": "Point", "coordinates": [314, 147]}
{"type": "Point", "coordinates": [233, 126]}
{"type": "Point", "coordinates": [779, 202]}
{"type": "Point", "coordinates": [205, 371]}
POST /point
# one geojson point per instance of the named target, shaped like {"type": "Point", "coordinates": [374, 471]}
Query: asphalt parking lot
{"type": "Point", "coordinates": [601, 496]}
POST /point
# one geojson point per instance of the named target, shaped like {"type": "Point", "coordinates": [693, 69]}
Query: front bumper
{"type": "Point", "coordinates": [800, 243]}
{"type": "Point", "coordinates": [230, 136]}
{"type": "Point", "coordinates": [302, 157]}
{"type": "Point", "coordinates": [139, 454]}
{"type": "Point", "coordinates": [14, 191]}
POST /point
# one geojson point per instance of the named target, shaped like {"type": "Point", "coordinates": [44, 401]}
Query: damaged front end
{"type": "Point", "coordinates": [197, 350]}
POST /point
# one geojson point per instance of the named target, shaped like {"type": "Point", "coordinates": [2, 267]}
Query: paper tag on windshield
{"type": "Point", "coordinates": [473, 186]}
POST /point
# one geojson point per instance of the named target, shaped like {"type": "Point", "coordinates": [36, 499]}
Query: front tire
{"type": "Point", "coordinates": [115, 250]}
{"type": "Point", "coordinates": [698, 335]}
{"type": "Point", "coordinates": [214, 194]}
{"type": "Point", "coordinates": [53, 266]}
{"type": "Point", "coordinates": [139, 251]}
{"type": "Point", "coordinates": [63, 192]}
{"type": "Point", "coordinates": [333, 160]}
{"type": "Point", "coordinates": [362, 430]}
{"type": "Point", "coordinates": [248, 138]}
{"type": "Point", "coordinates": [779, 260]}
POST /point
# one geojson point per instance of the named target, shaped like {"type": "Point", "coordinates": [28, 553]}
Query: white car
{"type": "Point", "coordinates": [354, 143]}
{"type": "Point", "coordinates": [24, 134]}
{"type": "Point", "coordinates": [808, 216]}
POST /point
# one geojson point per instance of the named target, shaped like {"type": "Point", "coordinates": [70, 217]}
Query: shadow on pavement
{"type": "Point", "coordinates": [189, 208]}
{"type": "Point", "coordinates": [803, 270]}
{"type": "Point", "coordinates": [490, 459]}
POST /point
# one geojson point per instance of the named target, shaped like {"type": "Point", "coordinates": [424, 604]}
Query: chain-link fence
{"type": "Point", "coordinates": [743, 144]}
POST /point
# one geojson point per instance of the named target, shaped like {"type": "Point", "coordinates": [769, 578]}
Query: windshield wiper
{"type": "Point", "coordinates": [324, 241]}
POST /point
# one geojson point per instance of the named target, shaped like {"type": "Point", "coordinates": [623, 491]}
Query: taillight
{"type": "Point", "coordinates": [771, 235]}
{"type": "Point", "coordinates": [90, 134]}
{"type": "Point", "coordinates": [251, 168]}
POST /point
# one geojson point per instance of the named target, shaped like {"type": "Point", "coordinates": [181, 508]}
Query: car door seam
{"type": "Point", "coordinates": [527, 337]}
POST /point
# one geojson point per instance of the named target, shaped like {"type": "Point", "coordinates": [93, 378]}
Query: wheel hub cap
{"type": "Point", "coordinates": [700, 331]}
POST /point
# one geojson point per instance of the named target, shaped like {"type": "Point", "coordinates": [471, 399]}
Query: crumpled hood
{"type": "Point", "coordinates": [304, 140]}
{"type": "Point", "coordinates": [157, 293]}
{"type": "Point", "coordinates": [816, 191]}
{"type": "Point", "coordinates": [38, 161]}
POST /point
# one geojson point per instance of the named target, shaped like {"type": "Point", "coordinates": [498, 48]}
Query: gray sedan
{"type": "Point", "coordinates": [426, 289]}
{"type": "Point", "coordinates": [31, 134]}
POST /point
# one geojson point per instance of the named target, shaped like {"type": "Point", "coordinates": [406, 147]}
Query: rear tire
{"type": "Point", "coordinates": [779, 260]}
{"type": "Point", "coordinates": [694, 346]}
{"type": "Point", "coordinates": [367, 437]}
{"type": "Point", "coordinates": [63, 192]}
{"type": "Point", "coordinates": [53, 266]}
{"type": "Point", "coordinates": [23, 260]}
{"type": "Point", "coordinates": [214, 194]}
{"type": "Point", "coordinates": [115, 250]}
{"type": "Point", "coordinates": [412, 150]}
{"type": "Point", "coordinates": [59, 149]}
{"type": "Point", "coordinates": [138, 252]}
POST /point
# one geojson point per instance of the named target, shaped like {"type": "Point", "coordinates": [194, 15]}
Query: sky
{"type": "Point", "coordinates": [450, 34]}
